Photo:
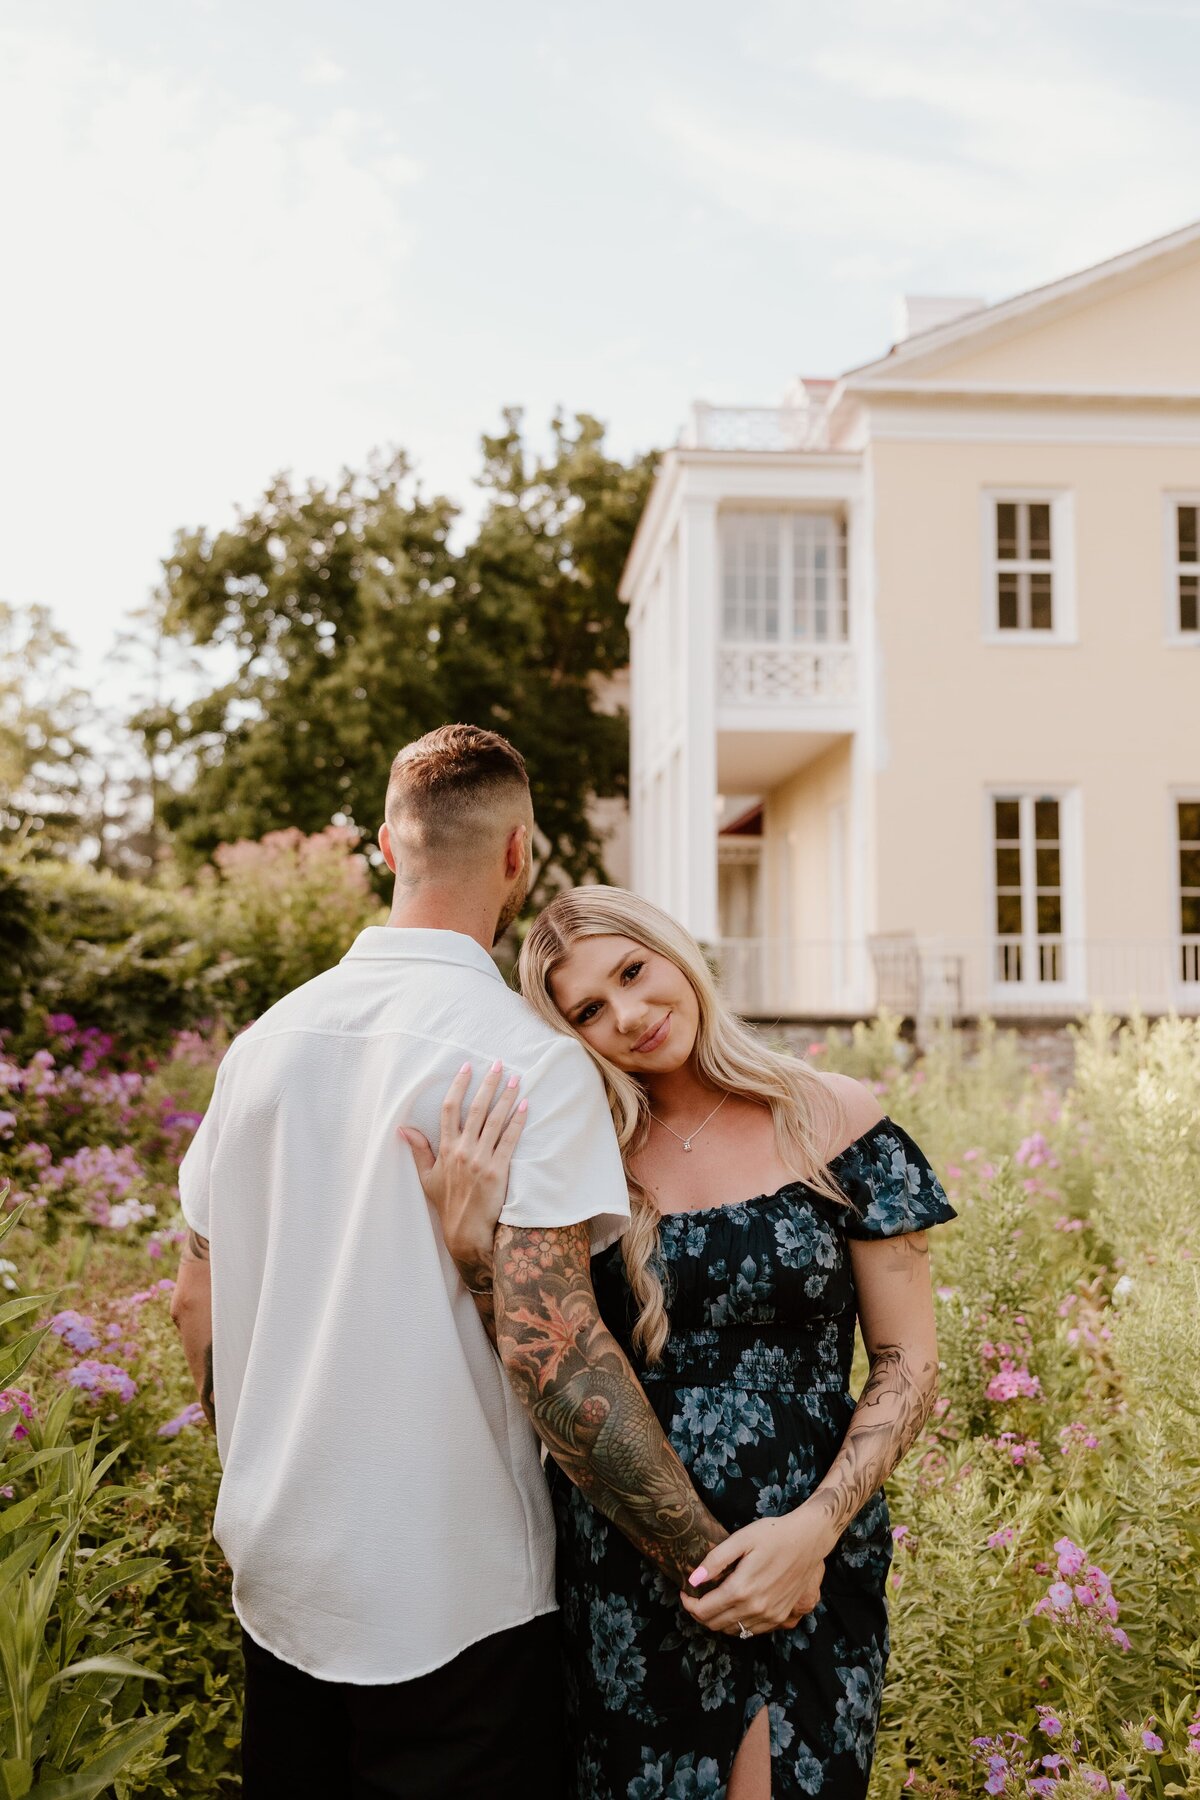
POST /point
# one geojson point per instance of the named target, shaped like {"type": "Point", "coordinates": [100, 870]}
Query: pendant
{"type": "Point", "coordinates": [687, 1143]}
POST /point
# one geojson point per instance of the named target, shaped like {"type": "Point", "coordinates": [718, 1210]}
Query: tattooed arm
{"type": "Point", "coordinates": [585, 1401]}
{"type": "Point", "coordinates": [773, 1569]}
{"type": "Point", "coordinates": [191, 1309]}
{"type": "Point", "coordinates": [895, 1310]}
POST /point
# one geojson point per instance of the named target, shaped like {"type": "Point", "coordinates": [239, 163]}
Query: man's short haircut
{"type": "Point", "coordinates": [442, 786]}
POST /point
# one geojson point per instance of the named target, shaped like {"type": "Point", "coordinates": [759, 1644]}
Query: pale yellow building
{"type": "Point", "coordinates": [915, 685]}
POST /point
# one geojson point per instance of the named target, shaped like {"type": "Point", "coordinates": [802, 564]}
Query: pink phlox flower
{"type": "Point", "coordinates": [1085, 1595]}
{"type": "Point", "coordinates": [1000, 1538]}
{"type": "Point", "coordinates": [131, 1302]}
{"type": "Point", "coordinates": [1152, 1741]}
{"type": "Point", "coordinates": [1066, 1224]}
{"type": "Point", "coordinates": [1013, 1381]}
{"type": "Point", "coordinates": [17, 1398]}
{"type": "Point", "coordinates": [1120, 1638]}
{"type": "Point", "coordinates": [100, 1378]}
{"type": "Point", "coordinates": [1076, 1437]}
{"type": "Point", "coordinates": [1042, 1785]}
{"type": "Point", "coordinates": [899, 1533]}
{"type": "Point", "coordinates": [186, 1121]}
{"type": "Point", "coordinates": [7, 1121]}
{"type": "Point", "coordinates": [1070, 1557]}
{"type": "Point", "coordinates": [972, 1155]}
{"type": "Point", "coordinates": [987, 1351]}
{"type": "Point", "coordinates": [77, 1331]}
{"type": "Point", "coordinates": [1095, 1780]}
{"type": "Point", "coordinates": [1056, 1761]}
{"type": "Point", "coordinates": [1035, 1153]}
{"type": "Point", "coordinates": [1059, 1595]}
{"type": "Point", "coordinates": [1020, 1450]}
{"type": "Point", "coordinates": [1048, 1721]}
{"type": "Point", "coordinates": [191, 1415]}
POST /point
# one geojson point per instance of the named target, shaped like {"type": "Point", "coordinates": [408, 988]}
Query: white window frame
{"type": "Point", "coordinates": [1185, 956]}
{"type": "Point", "coordinates": [837, 605]}
{"type": "Point", "coordinates": [1071, 987]}
{"type": "Point", "coordinates": [1173, 568]}
{"type": "Point", "coordinates": [1061, 566]}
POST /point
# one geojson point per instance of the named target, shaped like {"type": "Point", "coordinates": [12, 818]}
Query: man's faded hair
{"type": "Point", "coordinates": [443, 786]}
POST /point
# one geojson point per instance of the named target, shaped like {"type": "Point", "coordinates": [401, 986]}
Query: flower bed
{"type": "Point", "coordinates": [1045, 1586]}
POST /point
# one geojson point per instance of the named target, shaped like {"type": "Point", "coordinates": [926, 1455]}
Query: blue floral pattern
{"type": "Point", "coordinates": [753, 1392]}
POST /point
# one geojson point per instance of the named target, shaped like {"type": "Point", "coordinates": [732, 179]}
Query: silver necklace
{"type": "Point", "coordinates": [692, 1135]}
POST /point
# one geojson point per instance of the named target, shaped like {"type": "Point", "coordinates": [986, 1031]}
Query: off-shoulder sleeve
{"type": "Point", "coordinates": [890, 1185]}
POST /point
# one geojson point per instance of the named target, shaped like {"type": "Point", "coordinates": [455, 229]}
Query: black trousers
{"type": "Point", "coordinates": [487, 1726]}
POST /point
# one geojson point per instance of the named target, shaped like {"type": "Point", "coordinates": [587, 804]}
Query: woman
{"type": "Point", "coordinates": [771, 1207]}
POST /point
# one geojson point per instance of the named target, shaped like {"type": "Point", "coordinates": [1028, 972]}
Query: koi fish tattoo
{"type": "Point", "coordinates": [585, 1401]}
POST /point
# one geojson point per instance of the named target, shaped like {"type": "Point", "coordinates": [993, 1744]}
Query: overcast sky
{"type": "Point", "coordinates": [243, 235]}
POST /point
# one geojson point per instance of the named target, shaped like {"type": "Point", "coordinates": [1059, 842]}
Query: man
{"type": "Point", "coordinates": [382, 1504]}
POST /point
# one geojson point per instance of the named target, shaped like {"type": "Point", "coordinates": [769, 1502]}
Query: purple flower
{"type": "Point", "coordinates": [1152, 1741]}
{"type": "Point", "coordinates": [1059, 1595]}
{"type": "Point", "coordinates": [999, 1538]}
{"type": "Point", "coordinates": [191, 1415]}
{"type": "Point", "coordinates": [99, 1378]}
{"type": "Point", "coordinates": [77, 1331]}
{"type": "Point", "coordinates": [18, 1398]}
{"type": "Point", "coordinates": [1041, 1784]}
{"type": "Point", "coordinates": [1049, 1723]}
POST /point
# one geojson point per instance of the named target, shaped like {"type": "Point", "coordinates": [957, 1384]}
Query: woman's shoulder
{"type": "Point", "coordinates": [853, 1110]}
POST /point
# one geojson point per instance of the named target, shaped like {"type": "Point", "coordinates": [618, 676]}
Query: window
{"type": "Point", "coordinates": [1024, 566]}
{"type": "Point", "coordinates": [1188, 824]}
{"type": "Point", "coordinates": [750, 576]}
{"type": "Point", "coordinates": [1028, 851]}
{"type": "Point", "coordinates": [1184, 527]}
{"type": "Point", "coordinates": [1028, 583]}
{"type": "Point", "coordinates": [783, 578]}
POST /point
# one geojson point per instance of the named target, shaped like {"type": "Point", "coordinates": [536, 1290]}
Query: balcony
{"type": "Point", "coordinates": [786, 675]}
{"type": "Point", "coordinates": [747, 428]}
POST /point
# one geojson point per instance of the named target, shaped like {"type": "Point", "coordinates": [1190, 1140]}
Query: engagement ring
{"type": "Point", "coordinates": [742, 1632]}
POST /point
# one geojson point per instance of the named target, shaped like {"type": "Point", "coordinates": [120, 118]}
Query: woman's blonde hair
{"type": "Point", "coordinates": [728, 1056]}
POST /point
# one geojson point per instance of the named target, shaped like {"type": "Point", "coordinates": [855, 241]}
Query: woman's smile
{"type": "Point", "coordinates": [655, 1038]}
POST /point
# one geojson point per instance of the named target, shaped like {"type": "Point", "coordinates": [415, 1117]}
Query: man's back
{"type": "Point", "coordinates": [382, 1504]}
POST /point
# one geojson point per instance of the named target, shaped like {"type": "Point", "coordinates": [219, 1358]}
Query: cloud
{"type": "Point", "coordinates": [200, 288]}
{"type": "Point", "coordinates": [322, 71]}
{"type": "Point", "coordinates": [948, 139]}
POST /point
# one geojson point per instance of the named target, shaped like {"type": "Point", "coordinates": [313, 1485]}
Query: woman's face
{"type": "Point", "coordinates": [634, 1007]}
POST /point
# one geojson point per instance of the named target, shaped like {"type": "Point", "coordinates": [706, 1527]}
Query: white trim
{"type": "Point", "coordinates": [1032, 423]}
{"type": "Point", "coordinates": [1172, 634]}
{"type": "Point", "coordinates": [1072, 989]}
{"type": "Point", "coordinates": [1065, 629]}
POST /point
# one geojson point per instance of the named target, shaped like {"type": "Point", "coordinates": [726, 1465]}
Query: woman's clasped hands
{"type": "Point", "coordinates": [763, 1577]}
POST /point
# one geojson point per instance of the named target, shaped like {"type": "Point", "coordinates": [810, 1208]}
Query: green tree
{"type": "Point", "coordinates": [350, 625]}
{"type": "Point", "coordinates": [43, 759]}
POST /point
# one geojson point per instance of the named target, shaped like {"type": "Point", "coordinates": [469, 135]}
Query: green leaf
{"type": "Point", "coordinates": [88, 1782]}
{"type": "Point", "coordinates": [105, 1665]}
{"type": "Point", "coordinates": [17, 1777]}
{"type": "Point", "coordinates": [17, 1356]}
{"type": "Point", "coordinates": [25, 1303]}
{"type": "Point", "coordinates": [122, 1575]}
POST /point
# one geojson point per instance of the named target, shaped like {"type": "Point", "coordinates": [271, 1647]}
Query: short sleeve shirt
{"type": "Point", "coordinates": [382, 1504]}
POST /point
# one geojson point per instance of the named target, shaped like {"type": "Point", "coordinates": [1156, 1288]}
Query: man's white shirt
{"type": "Point", "coordinates": [382, 1503]}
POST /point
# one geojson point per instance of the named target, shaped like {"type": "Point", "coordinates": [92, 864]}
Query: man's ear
{"type": "Point", "coordinates": [514, 851]}
{"type": "Point", "coordinates": [385, 844]}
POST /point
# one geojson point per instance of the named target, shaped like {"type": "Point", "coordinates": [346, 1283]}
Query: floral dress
{"type": "Point", "coordinates": [753, 1392]}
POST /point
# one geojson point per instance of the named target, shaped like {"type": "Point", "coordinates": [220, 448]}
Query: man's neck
{"type": "Point", "coordinates": [446, 908]}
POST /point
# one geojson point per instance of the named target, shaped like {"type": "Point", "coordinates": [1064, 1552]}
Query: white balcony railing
{"type": "Point", "coordinates": [785, 674]}
{"type": "Point", "coordinates": [748, 428]}
{"type": "Point", "coordinates": [770, 978]}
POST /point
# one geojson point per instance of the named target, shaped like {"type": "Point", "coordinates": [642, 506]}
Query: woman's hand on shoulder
{"type": "Point", "coordinates": [467, 1181]}
{"type": "Point", "coordinates": [855, 1110]}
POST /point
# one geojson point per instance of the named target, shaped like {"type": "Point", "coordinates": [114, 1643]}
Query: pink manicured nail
{"type": "Point", "coordinates": [522, 1106]}
{"type": "Point", "coordinates": [496, 1067]}
{"type": "Point", "coordinates": [512, 1081]}
{"type": "Point", "coordinates": [465, 1069]}
{"type": "Point", "coordinates": [698, 1575]}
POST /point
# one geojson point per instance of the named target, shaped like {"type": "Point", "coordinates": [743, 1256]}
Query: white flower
{"type": "Point", "coordinates": [1123, 1289]}
{"type": "Point", "coordinates": [7, 1271]}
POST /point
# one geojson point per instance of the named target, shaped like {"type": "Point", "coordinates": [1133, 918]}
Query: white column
{"type": "Point", "coordinates": [865, 751]}
{"type": "Point", "coordinates": [698, 552]}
